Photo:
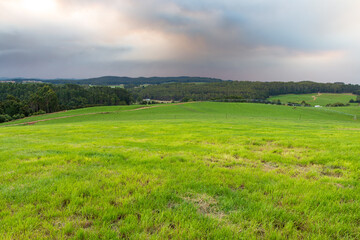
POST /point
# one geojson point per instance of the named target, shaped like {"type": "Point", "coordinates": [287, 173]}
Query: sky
{"type": "Point", "coordinates": [255, 40]}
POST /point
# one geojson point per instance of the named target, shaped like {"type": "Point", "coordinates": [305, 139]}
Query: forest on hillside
{"type": "Point", "coordinates": [21, 100]}
{"type": "Point", "coordinates": [236, 90]}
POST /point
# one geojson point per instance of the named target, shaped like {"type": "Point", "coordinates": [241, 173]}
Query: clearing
{"type": "Point", "coordinates": [315, 98]}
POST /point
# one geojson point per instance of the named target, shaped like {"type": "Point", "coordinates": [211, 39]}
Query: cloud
{"type": "Point", "coordinates": [241, 40]}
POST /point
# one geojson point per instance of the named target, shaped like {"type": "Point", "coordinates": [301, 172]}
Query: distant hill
{"type": "Point", "coordinates": [113, 80]}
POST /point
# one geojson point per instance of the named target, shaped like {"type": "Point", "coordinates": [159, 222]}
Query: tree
{"type": "Point", "coordinates": [49, 99]}
{"type": "Point", "coordinates": [11, 105]}
{"type": "Point", "coordinates": [45, 99]}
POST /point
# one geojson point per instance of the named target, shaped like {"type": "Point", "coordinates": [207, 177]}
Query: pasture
{"type": "Point", "coordinates": [182, 171]}
{"type": "Point", "coordinates": [316, 98]}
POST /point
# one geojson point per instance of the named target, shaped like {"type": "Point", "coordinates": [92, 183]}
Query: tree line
{"type": "Point", "coordinates": [22, 100]}
{"type": "Point", "coordinates": [236, 90]}
{"type": "Point", "coordinates": [18, 100]}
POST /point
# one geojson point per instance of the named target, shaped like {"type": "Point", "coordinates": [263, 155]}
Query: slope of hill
{"type": "Point", "coordinates": [237, 90]}
{"type": "Point", "coordinates": [185, 171]}
{"type": "Point", "coordinates": [315, 98]}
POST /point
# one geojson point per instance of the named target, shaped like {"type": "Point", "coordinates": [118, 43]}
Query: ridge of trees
{"type": "Point", "coordinates": [22, 100]}
{"type": "Point", "coordinates": [236, 90]}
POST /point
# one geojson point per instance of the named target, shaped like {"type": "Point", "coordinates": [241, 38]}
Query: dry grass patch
{"type": "Point", "coordinates": [205, 204]}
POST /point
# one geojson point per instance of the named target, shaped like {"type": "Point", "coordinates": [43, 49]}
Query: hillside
{"type": "Point", "coordinates": [236, 90]}
{"type": "Point", "coordinates": [183, 171]}
{"type": "Point", "coordinates": [313, 99]}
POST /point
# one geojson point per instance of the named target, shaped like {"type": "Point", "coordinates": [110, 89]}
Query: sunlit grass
{"type": "Point", "coordinates": [316, 98]}
{"type": "Point", "coordinates": [191, 171]}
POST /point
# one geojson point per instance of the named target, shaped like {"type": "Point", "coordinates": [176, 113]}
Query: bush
{"type": "Point", "coordinates": [40, 112]}
{"type": "Point", "coordinates": [18, 116]}
{"type": "Point", "coordinates": [338, 104]}
{"type": "Point", "coordinates": [2, 118]}
{"type": "Point", "coordinates": [186, 99]}
{"type": "Point", "coordinates": [305, 104]}
{"type": "Point", "coordinates": [5, 118]}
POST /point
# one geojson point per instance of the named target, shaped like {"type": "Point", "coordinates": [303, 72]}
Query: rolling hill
{"type": "Point", "coordinates": [313, 99]}
{"type": "Point", "coordinates": [183, 171]}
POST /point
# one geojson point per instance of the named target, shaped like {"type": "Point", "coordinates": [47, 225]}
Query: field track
{"type": "Point", "coordinates": [78, 115]}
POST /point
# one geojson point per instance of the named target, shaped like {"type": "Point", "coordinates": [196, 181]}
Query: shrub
{"type": "Point", "coordinates": [5, 118]}
{"type": "Point", "coordinates": [18, 116]}
{"type": "Point", "coordinates": [40, 112]}
{"type": "Point", "coordinates": [338, 104]}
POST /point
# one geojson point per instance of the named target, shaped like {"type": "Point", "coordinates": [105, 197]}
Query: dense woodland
{"type": "Point", "coordinates": [21, 100]}
{"type": "Point", "coordinates": [236, 90]}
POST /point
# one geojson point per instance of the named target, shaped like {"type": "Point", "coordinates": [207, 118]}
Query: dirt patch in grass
{"type": "Point", "coordinates": [336, 173]}
{"type": "Point", "coordinates": [285, 150]}
{"type": "Point", "coordinates": [205, 204]}
{"type": "Point", "coordinates": [269, 166]}
{"type": "Point", "coordinates": [315, 97]}
{"type": "Point", "coordinates": [229, 161]}
{"type": "Point", "coordinates": [141, 108]}
{"type": "Point", "coordinates": [86, 224]}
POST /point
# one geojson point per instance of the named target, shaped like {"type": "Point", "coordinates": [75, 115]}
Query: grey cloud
{"type": "Point", "coordinates": [244, 40]}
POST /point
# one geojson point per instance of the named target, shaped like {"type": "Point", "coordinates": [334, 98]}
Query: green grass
{"type": "Point", "coordinates": [190, 171]}
{"type": "Point", "coordinates": [82, 111]}
{"type": "Point", "coordinates": [117, 86]}
{"type": "Point", "coordinates": [315, 99]}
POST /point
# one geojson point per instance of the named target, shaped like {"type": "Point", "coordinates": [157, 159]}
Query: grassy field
{"type": "Point", "coordinates": [117, 86]}
{"type": "Point", "coordinates": [315, 98]}
{"type": "Point", "coordinates": [77, 112]}
{"type": "Point", "coordinates": [185, 171]}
